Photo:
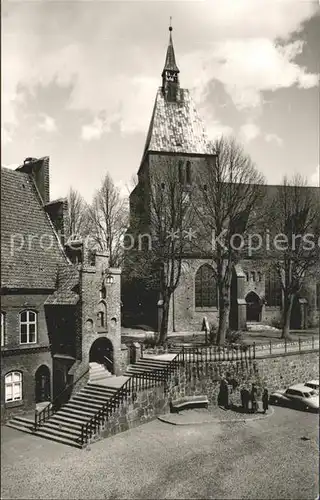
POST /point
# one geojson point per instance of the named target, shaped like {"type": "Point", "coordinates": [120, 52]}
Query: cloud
{"type": "Point", "coordinates": [240, 51]}
{"type": "Point", "coordinates": [48, 124]}
{"type": "Point", "coordinates": [247, 67]}
{"type": "Point", "coordinates": [249, 131]}
{"type": "Point", "coordinates": [273, 138]}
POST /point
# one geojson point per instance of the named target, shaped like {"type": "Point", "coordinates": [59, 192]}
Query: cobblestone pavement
{"type": "Point", "coordinates": [272, 458]}
{"type": "Point", "coordinates": [212, 415]}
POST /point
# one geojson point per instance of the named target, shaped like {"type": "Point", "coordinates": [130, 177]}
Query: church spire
{"type": "Point", "coordinates": [170, 73]}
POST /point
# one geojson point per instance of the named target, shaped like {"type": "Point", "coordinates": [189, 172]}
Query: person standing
{"type": "Point", "coordinates": [254, 401]}
{"type": "Point", "coordinates": [246, 397]}
{"type": "Point", "coordinates": [265, 400]}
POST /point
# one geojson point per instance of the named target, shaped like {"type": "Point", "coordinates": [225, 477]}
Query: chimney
{"type": "Point", "coordinates": [58, 213]}
{"type": "Point", "coordinates": [38, 169]}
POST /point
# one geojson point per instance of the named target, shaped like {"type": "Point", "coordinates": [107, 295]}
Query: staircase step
{"type": "Point", "coordinates": [58, 439]}
{"type": "Point", "coordinates": [24, 420]}
{"type": "Point", "coordinates": [79, 407]}
{"type": "Point", "coordinates": [152, 362]}
{"type": "Point", "coordinates": [97, 396]}
{"type": "Point", "coordinates": [91, 401]}
{"type": "Point", "coordinates": [73, 431]}
{"type": "Point", "coordinates": [67, 421]}
{"type": "Point", "coordinates": [77, 412]}
{"type": "Point", "coordinates": [101, 388]}
{"type": "Point", "coordinates": [82, 419]}
{"type": "Point", "coordinates": [56, 431]}
{"type": "Point", "coordinates": [18, 427]}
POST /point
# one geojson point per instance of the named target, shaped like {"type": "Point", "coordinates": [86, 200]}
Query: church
{"type": "Point", "coordinates": [177, 136]}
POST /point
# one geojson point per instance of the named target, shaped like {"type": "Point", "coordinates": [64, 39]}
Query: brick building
{"type": "Point", "coordinates": [177, 137]}
{"type": "Point", "coordinates": [60, 304]}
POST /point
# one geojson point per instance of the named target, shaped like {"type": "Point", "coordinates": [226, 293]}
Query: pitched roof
{"type": "Point", "coordinates": [67, 292]}
{"type": "Point", "coordinates": [176, 127]}
{"type": "Point", "coordinates": [30, 248]}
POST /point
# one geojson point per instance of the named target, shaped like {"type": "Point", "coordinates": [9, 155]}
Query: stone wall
{"type": "Point", "coordinates": [274, 372]}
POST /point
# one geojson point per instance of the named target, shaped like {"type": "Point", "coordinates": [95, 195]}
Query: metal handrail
{"type": "Point", "coordinates": [43, 415]}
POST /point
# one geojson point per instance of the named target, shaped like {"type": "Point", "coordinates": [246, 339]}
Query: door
{"type": "Point", "coordinates": [42, 384]}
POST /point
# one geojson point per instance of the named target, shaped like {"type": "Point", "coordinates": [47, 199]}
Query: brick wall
{"type": "Point", "coordinates": [272, 372]}
{"type": "Point", "coordinates": [26, 358]}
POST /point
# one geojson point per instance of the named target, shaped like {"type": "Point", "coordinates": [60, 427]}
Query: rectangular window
{"type": "Point", "coordinates": [28, 327]}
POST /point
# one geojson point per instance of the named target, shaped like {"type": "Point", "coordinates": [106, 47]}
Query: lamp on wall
{"type": "Point", "coordinates": [109, 279]}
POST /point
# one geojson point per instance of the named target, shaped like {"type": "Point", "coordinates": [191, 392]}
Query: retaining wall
{"type": "Point", "coordinates": [273, 372]}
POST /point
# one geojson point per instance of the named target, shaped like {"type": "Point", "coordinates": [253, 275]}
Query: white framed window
{"type": "Point", "coordinates": [3, 329]}
{"type": "Point", "coordinates": [13, 386]}
{"type": "Point", "coordinates": [28, 327]}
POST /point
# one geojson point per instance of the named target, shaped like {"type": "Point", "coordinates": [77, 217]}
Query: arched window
{"type": "Point", "coordinates": [3, 329]}
{"type": "Point", "coordinates": [100, 318]}
{"type": "Point", "coordinates": [188, 173]}
{"type": "Point", "coordinates": [205, 287]}
{"type": "Point", "coordinates": [259, 276]}
{"type": "Point", "coordinates": [101, 315]}
{"type": "Point", "coordinates": [253, 275]}
{"type": "Point", "coordinates": [273, 291]}
{"type": "Point", "coordinates": [28, 327]}
{"type": "Point", "coordinates": [13, 386]}
{"type": "Point", "coordinates": [246, 275]}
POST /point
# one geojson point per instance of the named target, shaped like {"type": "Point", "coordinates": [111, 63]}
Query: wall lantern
{"type": "Point", "coordinates": [109, 279]}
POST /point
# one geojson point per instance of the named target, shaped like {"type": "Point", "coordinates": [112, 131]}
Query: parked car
{"type": "Point", "coordinates": [299, 396]}
{"type": "Point", "coordinates": [313, 384]}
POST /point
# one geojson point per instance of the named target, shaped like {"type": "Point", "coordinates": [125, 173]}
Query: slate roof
{"type": "Point", "coordinates": [67, 292]}
{"type": "Point", "coordinates": [26, 260]}
{"type": "Point", "coordinates": [176, 127]}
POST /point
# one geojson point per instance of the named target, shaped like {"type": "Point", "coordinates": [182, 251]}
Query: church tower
{"type": "Point", "coordinates": [176, 139]}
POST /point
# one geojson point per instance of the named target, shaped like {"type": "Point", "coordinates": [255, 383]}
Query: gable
{"type": "Point", "coordinates": [30, 248]}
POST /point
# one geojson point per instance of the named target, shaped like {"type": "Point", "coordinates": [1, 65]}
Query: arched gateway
{"type": "Point", "coordinates": [101, 352]}
{"type": "Point", "coordinates": [253, 307]}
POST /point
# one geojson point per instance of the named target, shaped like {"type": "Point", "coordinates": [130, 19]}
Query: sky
{"type": "Point", "coordinates": [79, 79]}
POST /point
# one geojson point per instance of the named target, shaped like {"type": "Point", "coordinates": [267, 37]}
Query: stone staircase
{"type": "Point", "coordinates": [98, 372]}
{"type": "Point", "coordinates": [64, 426]}
{"type": "Point", "coordinates": [149, 364]}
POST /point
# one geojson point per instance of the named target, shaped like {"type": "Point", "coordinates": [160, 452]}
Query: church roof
{"type": "Point", "coordinates": [30, 248]}
{"type": "Point", "coordinates": [176, 127]}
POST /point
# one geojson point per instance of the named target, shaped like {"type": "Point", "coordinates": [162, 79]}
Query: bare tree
{"type": "Point", "coordinates": [77, 222]}
{"type": "Point", "coordinates": [295, 220]}
{"type": "Point", "coordinates": [231, 193]}
{"type": "Point", "coordinates": [164, 235]}
{"type": "Point", "coordinates": [108, 219]}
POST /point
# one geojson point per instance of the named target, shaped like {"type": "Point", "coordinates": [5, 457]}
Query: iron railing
{"type": "Point", "coordinates": [42, 416]}
{"type": "Point", "coordinates": [136, 382]}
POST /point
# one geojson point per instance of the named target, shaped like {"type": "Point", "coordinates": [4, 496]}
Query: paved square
{"type": "Point", "coordinates": [262, 459]}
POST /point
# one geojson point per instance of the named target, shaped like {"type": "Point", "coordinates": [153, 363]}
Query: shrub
{"type": "Point", "coordinates": [276, 324]}
{"type": "Point", "coordinates": [234, 337]}
{"type": "Point", "coordinates": [149, 342]}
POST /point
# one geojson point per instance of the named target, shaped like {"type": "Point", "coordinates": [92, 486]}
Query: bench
{"type": "Point", "coordinates": [189, 402]}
